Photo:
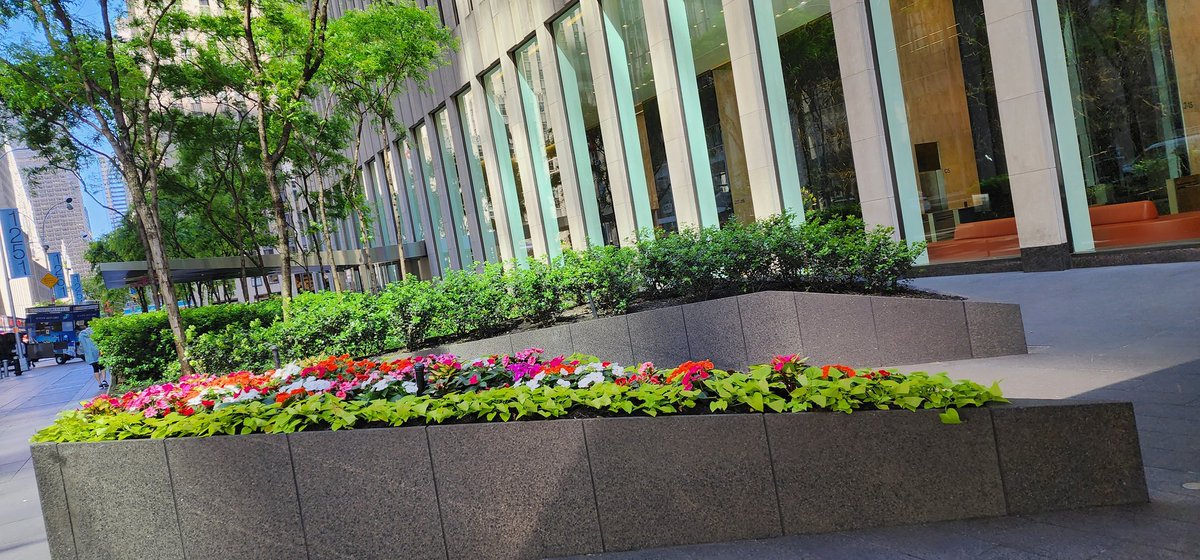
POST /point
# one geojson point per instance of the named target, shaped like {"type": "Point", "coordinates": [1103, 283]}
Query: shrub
{"type": "Point", "coordinates": [469, 303]}
{"type": "Point", "coordinates": [139, 348]}
{"type": "Point", "coordinates": [234, 348]}
{"type": "Point", "coordinates": [540, 291]}
{"type": "Point", "coordinates": [408, 316]}
{"type": "Point", "coordinates": [834, 254]}
{"type": "Point", "coordinates": [605, 276]}
{"type": "Point", "coordinates": [340, 393]}
{"type": "Point", "coordinates": [333, 323]}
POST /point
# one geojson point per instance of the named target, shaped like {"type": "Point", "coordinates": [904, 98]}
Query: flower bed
{"type": "Point", "coordinates": [338, 393]}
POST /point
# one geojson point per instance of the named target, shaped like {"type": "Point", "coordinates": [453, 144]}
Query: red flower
{"type": "Point", "coordinates": [207, 403]}
{"type": "Point", "coordinates": [187, 411]}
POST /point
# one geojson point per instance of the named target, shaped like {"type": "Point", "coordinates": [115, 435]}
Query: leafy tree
{"type": "Point", "coordinates": [372, 56]}
{"type": "Point", "coordinates": [83, 85]}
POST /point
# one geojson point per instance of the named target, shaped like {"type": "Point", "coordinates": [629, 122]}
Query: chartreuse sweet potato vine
{"type": "Point", "coordinates": [339, 393]}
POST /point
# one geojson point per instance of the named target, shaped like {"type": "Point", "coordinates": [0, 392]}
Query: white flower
{"type": "Point", "coordinates": [409, 387]}
{"type": "Point", "coordinates": [590, 379]}
{"type": "Point", "coordinates": [563, 383]}
{"type": "Point", "coordinates": [314, 385]}
{"type": "Point", "coordinates": [291, 386]}
{"type": "Point", "coordinates": [536, 381]}
{"type": "Point", "coordinates": [287, 372]}
{"type": "Point", "coordinates": [381, 385]}
{"type": "Point", "coordinates": [250, 395]}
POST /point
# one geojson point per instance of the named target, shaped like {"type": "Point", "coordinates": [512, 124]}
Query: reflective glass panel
{"type": "Point", "coordinates": [477, 161]}
{"type": "Point", "coordinates": [954, 127]}
{"type": "Point", "coordinates": [1134, 71]}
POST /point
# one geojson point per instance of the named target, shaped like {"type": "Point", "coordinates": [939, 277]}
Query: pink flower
{"type": "Point", "coordinates": [474, 379]}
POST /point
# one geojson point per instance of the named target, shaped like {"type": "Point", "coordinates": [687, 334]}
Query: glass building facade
{"type": "Point", "coordinates": [1068, 127]}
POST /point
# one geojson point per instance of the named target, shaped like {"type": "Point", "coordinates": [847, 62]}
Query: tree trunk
{"type": "Point", "coordinates": [245, 285]}
{"type": "Point", "coordinates": [279, 213]}
{"type": "Point", "coordinates": [157, 259]}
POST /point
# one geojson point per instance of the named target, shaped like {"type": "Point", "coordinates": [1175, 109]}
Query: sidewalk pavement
{"type": "Point", "coordinates": [1121, 333]}
{"type": "Point", "coordinates": [28, 403]}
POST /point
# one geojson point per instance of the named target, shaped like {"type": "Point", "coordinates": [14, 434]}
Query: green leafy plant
{"type": "Point", "coordinates": [556, 388]}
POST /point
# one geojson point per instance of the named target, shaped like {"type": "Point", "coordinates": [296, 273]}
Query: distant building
{"type": "Point", "coordinates": [115, 196]}
{"type": "Point", "coordinates": [45, 220]}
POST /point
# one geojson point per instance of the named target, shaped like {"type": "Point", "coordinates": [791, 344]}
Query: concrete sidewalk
{"type": "Point", "coordinates": [1123, 333]}
{"type": "Point", "coordinates": [28, 403]}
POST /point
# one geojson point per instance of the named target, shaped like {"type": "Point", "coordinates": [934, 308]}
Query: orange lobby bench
{"type": "Point", "coordinates": [1138, 223]}
{"type": "Point", "coordinates": [978, 240]}
{"type": "Point", "coordinates": [1113, 225]}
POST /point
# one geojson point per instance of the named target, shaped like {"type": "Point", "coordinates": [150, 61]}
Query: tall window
{"type": "Point", "coordinates": [1134, 71]}
{"type": "Point", "coordinates": [510, 176]}
{"type": "Point", "coordinates": [633, 78]}
{"type": "Point", "coordinates": [583, 121]}
{"type": "Point", "coordinates": [458, 214]}
{"type": "Point", "coordinates": [433, 197]}
{"type": "Point", "coordinates": [477, 162]}
{"type": "Point", "coordinates": [954, 127]}
{"type": "Point", "coordinates": [404, 148]}
{"type": "Point", "coordinates": [816, 108]}
{"type": "Point", "coordinates": [719, 107]}
{"type": "Point", "coordinates": [543, 149]}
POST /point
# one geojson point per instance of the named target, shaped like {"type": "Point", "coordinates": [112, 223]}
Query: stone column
{"type": "Point", "coordinates": [864, 114]}
{"type": "Point", "coordinates": [538, 230]}
{"type": "Point", "coordinates": [618, 124]}
{"type": "Point", "coordinates": [682, 123]}
{"type": "Point", "coordinates": [1029, 148]}
{"type": "Point", "coordinates": [762, 102]}
{"type": "Point", "coordinates": [570, 150]}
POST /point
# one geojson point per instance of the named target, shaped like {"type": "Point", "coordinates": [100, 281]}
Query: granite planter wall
{"type": "Point", "coordinates": [566, 487]}
{"type": "Point", "coordinates": [733, 332]}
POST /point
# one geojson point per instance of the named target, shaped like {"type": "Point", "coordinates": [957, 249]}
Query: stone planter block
{"type": "Point", "coordinates": [549, 488]}
{"type": "Point", "coordinates": [838, 329]}
{"type": "Point", "coordinates": [515, 490]}
{"type": "Point", "coordinates": [914, 331]}
{"type": "Point", "coordinates": [735, 332]}
{"type": "Point", "coordinates": [996, 329]}
{"type": "Point", "coordinates": [770, 325]}
{"type": "Point", "coordinates": [478, 348]}
{"type": "Point", "coordinates": [656, 337]}
{"type": "Point", "coordinates": [606, 338]}
{"type": "Point", "coordinates": [837, 472]}
{"type": "Point", "coordinates": [120, 499]}
{"type": "Point", "coordinates": [367, 494]}
{"type": "Point", "coordinates": [47, 471]}
{"type": "Point", "coordinates": [680, 480]}
{"type": "Point", "coordinates": [1061, 455]}
{"type": "Point", "coordinates": [236, 497]}
{"type": "Point", "coordinates": [714, 332]}
{"type": "Point", "coordinates": [556, 340]}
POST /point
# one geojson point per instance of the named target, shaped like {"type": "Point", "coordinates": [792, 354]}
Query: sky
{"type": "Point", "coordinates": [92, 192]}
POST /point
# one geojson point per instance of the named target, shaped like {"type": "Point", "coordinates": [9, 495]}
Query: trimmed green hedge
{"type": "Point", "coordinates": [139, 347]}
{"type": "Point", "coordinates": [839, 254]}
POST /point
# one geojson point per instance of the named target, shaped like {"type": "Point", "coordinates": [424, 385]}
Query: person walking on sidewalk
{"type": "Point", "coordinates": [91, 355]}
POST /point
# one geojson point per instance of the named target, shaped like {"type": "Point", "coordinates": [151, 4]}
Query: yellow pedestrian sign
{"type": "Point", "coordinates": [50, 280]}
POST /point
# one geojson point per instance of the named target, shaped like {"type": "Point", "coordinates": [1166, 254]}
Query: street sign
{"type": "Point", "coordinates": [14, 243]}
{"type": "Point", "coordinates": [49, 280]}
{"type": "Point", "coordinates": [56, 268]}
{"type": "Point", "coordinates": [76, 288]}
